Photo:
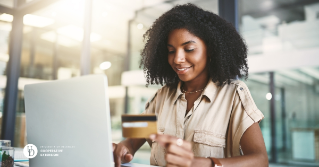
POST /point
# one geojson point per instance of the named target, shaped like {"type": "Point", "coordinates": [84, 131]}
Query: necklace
{"type": "Point", "coordinates": [184, 91]}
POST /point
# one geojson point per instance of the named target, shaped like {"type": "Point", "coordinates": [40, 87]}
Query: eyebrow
{"type": "Point", "coordinates": [185, 43]}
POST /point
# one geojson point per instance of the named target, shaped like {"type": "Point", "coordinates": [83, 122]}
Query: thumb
{"type": "Point", "coordinates": [128, 157]}
{"type": "Point", "coordinates": [114, 146]}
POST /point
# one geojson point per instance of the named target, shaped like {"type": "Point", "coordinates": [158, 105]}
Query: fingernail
{"type": "Point", "coordinates": [152, 136]}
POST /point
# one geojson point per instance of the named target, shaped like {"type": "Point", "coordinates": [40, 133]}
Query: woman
{"type": "Point", "coordinates": [205, 116]}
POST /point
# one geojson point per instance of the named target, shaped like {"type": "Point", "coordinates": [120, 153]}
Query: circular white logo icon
{"type": "Point", "coordinates": [30, 151]}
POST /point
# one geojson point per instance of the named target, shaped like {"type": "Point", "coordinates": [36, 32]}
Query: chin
{"type": "Point", "coordinates": [185, 78]}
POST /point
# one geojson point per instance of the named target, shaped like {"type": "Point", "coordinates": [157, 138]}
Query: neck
{"type": "Point", "coordinates": [195, 84]}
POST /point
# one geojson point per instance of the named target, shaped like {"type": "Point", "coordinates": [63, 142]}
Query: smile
{"type": "Point", "coordinates": [183, 69]}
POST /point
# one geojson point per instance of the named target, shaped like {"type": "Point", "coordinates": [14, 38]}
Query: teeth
{"type": "Point", "coordinates": [182, 69]}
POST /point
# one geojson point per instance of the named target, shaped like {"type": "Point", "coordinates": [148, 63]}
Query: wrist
{"type": "Point", "coordinates": [215, 162]}
{"type": "Point", "coordinates": [211, 160]}
{"type": "Point", "coordinates": [201, 161]}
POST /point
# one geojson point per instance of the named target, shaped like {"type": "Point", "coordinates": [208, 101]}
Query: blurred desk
{"type": "Point", "coordinates": [123, 165]}
{"type": "Point", "coordinates": [305, 143]}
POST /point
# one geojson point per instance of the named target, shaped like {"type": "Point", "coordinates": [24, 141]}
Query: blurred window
{"type": "Point", "coordinates": [275, 29]}
{"type": "Point", "coordinates": [5, 29]}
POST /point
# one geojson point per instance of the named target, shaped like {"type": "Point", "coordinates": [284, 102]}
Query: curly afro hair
{"type": "Point", "coordinates": [226, 50]}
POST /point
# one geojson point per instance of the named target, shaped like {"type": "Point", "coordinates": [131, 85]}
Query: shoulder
{"type": "Point", "coordinates": [233, 89]}
{"type": "Point", "coordinates": [234, 84]}
{"type": "Point", "coordinates": [243, 96]}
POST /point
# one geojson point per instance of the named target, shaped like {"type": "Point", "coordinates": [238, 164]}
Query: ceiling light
{"type": "Point", "coordinates": [4, 57]}
{"type": "Point", "coordinates": [268, 96]}
{"type": "Point", "coordinates": [6, 17]}
{"type": "Point", "coordinates": [140, 26]}
{"type": "Point", "coordinates": [37, 21]}
{"type": "Point", "coordinates": [268, 4]}
{"type": "Point", "coordinates": [53, 14]}
{"type": "Point", "coordinates": [30, 20]}
{"type": "Point", "coordinates": [76, 33]}
{"type": "Point", "coordinates": [105, 65]}
{"type": "Point", "coordinates": [104, 14]}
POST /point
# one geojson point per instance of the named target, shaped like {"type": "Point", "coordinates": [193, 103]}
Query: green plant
{"type": "Point", "coordinates": [5, 156]}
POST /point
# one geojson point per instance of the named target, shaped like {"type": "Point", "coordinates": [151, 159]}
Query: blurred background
{"type": "Point", "coordinates": [43, 40]}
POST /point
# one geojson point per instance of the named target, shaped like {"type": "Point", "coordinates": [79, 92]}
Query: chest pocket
{"type": "Point", "coordinates": [208, 144]}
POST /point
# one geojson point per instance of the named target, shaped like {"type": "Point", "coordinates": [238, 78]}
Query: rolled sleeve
{"type": "Point", "coordinates": [244, 114]}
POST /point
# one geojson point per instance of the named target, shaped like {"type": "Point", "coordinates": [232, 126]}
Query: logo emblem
{"type": "Point", "coordinates": [30, 151]}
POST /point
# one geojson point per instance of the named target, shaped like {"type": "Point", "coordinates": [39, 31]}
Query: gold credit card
{"type": "Point", "coordinates": [138, 126]}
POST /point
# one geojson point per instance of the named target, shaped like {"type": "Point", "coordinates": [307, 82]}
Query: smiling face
{"type": "Point", "coordinates": [187, 55]}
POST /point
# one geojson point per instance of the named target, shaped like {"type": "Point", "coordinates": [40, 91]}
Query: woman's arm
{"type": "Point", "coordinates": [253, 146]}
{"type": "Point", "coordinates": [125, 150]}
{"type": "Point", "coordinates": [133, 144]}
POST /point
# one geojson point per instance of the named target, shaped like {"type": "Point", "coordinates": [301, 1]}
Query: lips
{"type": "Point", "coordinates": [182, 70]}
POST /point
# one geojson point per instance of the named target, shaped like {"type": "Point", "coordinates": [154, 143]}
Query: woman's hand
{"type": "Point", "coordinates": [178, 152]}
{"type": "Point", "coordinates": [121, 154]}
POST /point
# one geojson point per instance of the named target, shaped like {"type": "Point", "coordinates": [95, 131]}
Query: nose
{"type": "Point", "coordinates": [179, 57]}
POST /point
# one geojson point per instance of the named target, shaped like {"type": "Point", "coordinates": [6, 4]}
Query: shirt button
{"type": "Point", "coordinates": [241, 88]}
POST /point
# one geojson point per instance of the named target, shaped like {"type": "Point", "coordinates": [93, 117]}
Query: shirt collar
{"type": "Point", "coordinates": [178, 91]}
{"type": "Point", "coordinates": [209, 90]}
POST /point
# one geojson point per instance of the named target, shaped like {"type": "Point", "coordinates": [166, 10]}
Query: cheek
{"type": "Point", "coordinates": [203, 58]}
{"type": "Point", "coordinates": [170, 59]}
{"type": "Point", "coordinates": [201, 61]}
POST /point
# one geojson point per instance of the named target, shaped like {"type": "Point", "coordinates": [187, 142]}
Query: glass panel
{"type": "Point", "coordinates": [5, 29]}
{"type": "Point", "coordinates": [297, 115]}
{"type": "Point", "coordinates": [51, 49]}
{"type": "Point", "coordinates": [276, 26]}
{"type": "Point", "coordinates": [258, 85]}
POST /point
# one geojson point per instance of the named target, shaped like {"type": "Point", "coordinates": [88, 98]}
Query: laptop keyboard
{"type": "Point", "coordinates": [18, 154]}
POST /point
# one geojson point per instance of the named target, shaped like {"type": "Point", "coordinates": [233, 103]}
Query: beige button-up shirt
{"type": "Point", "coordinates": [214, 125]}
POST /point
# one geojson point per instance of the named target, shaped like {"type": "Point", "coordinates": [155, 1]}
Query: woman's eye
{"type": "Point", "coordinates": [189, 50]}
{"type": "Point", "coordinates": [171, 52]}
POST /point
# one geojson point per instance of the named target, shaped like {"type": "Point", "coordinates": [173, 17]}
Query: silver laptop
{"type": "Point", "coordinates": [69, 122]}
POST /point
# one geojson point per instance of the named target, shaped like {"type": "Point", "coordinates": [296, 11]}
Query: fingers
{"type": "Point", "coordinates": [177, 155]}
{"type": "Point", "coordinates": [121, 154]}
{"type": "Point", "coordinates": [179, 151]}
{"type": "Point", "coordinates": [166, 139]}
{"type": "Point", "coordinates": [117, 159]}
{"type": "Point", "coordinates": [174, 160]}
{"type": "Point", "coordinates": [114, 146]}
{"type": "Point", "coordinates": [171, 165]}
{"type": "Point", "coordinates": [127, 158]}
